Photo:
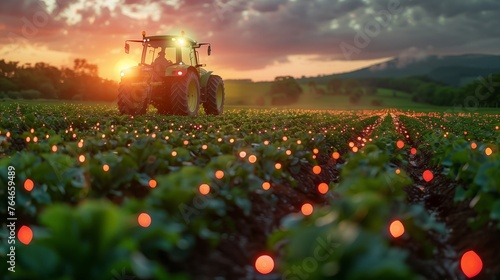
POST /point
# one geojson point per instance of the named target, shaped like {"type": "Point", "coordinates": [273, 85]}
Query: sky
{"type": "Point", "coordinates": [251, 39]}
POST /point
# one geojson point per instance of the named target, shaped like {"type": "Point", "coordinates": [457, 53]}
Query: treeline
{"type": "Point", "coordinates": [483, 92]}
{"type": "Point", "coordinates": [41, 80]}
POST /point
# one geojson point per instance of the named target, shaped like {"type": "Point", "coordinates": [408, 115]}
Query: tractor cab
{"type": "Point", "coordinates": [177, 50]}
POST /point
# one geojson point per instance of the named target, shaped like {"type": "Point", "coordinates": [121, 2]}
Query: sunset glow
{"type": "Point", "coordinates": [96, 31]}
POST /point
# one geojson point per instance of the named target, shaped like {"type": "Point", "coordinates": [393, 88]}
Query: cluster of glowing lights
{"type": "Point", "coordinates": [264, 264]}
{"type": "Point", "coordinates": [307, 209]}
{"type": "Point", "coordinates": [428, 175]}
{"type": "Point", "coordinates": [25, 235]}
{"type": "Point", "coordinates": [396, 228]}
{"type": "Point", "coordinates": [144, 220]}
{"type": "Point", "coordinates": [471, 264]}
{"type": "Point", "coordinates": [204, 189]}
{"type": "Point", "coordinates": [29, 185]}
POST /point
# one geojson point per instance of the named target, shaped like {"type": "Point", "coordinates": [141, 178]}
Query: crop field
{"type": "Point", "coordinates": [251, 194]}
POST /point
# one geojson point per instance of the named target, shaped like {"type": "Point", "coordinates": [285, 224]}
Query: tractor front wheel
{"type": "Point", "coordinates": [185, 95]}
{"type": "Point", "coordinates": [215, 96]}
{"type": "Point", "coordinates": [133, 100]}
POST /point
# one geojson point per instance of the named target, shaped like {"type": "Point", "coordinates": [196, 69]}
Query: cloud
{"type": "Point", "coordinates": [253, 34]}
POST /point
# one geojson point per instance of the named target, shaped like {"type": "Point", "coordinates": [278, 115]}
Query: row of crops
{"type": "Point", "coordinates": [254, 194]}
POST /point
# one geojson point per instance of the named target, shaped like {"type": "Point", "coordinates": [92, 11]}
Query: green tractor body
{"type": "Point", "coordinates": [171, 78]}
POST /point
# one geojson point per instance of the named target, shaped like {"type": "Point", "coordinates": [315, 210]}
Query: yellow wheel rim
{"type": "Point", "coordinates": [192, 96]}
{"type": "Point", "coordinates": [219, 97]}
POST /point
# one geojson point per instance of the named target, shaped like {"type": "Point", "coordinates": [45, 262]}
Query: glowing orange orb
{"type": "Point", "coordinates": [266, 186]}
{"type": "Point", "coordinates": [323, 188]}
{"type": "Point", "coordinates": [252, 159]}
{"type": "Point", "coordinates": [428, 176]}
{"type": "Point", "coordinates": [488, 151]}
{"type": "Point", "coordinates": [315, 151]}
{"type": "Point", "coordinates": [25, 234]}
{"type": "Point", "coordinates": [335, 155]}
{"type": "Point", "coordinates": [400, 144]}
{"type": "Point", "coordinates": [316, 169]}
{"type": "Point", "coordinates": [105, 168]}
{"type": "Point", "coordinates": [152, 183]}
{"type": "Point", "coordinates": [351, 144]}
{"type": "Point", "coordinates": [473, 145]}
{"type": "Point", "coordinates": [396, 228]}
{"type": "Point", "coordinates": [307, 209]}
{"type": "Point", "coordinates": [413, 151]}
{"type": "Point", "coordinates": [204, 189]}
{"type": "Point", "coordinates": [81, 158]}
{"type": "Point", "coordinates": [355, 149]}
{"type": "Point", "coordinates": [277, 166]}
{"type": "Point", "coordinates": [28, 185]}
{"type": "Point", "coordinates": [264, 264]}
{"type": "Point", "coordinates": [219, 174]}
{"type": "Point", "coordinates": [144, 220]}
{"type": "Point", "coordinates": [471, 264]}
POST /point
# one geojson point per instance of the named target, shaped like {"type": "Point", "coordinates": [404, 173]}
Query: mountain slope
{"type": "Point", "coordinates": [453, 69]}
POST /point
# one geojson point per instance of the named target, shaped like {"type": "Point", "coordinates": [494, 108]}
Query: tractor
{"type": "Point", "coordinates": [170, 78]}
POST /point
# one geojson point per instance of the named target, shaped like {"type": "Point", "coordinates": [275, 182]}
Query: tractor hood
{"type": "Point", "coordinates": [177, 70]}
{"type": "Point", "coordinates": [141, 72]}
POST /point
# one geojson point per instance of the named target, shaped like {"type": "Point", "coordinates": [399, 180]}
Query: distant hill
{"type": "Point", "coordinates": [454, 70]}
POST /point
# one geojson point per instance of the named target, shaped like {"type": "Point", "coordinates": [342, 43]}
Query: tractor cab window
{"type": "Point", "coordinates": [152, 54]}
{"type": "Point", "coordinates": [188, 56]}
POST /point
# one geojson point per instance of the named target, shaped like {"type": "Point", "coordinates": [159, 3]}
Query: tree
{"type": "Point", "coordinates": [335, 86]}
{"type": "Point", "coordinates": [42, 80]}
{"type": "Point", "coordinates": [285, 91]}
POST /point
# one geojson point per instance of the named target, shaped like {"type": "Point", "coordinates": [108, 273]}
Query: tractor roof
{"type": "Point", "coordinates": [171, 38]}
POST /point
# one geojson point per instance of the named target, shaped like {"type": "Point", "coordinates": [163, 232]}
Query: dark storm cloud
{"type": "Point", "coordinates": [255, 33]}
{"type": "Point", "coordinates": [267, 6]}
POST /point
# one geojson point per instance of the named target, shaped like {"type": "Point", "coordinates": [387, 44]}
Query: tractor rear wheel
{"type": "Point", "coordinates": [133, 100]}
{"type": "Point", "coordinates": [215, 96]}
{"type": "Point", "coordinates": [185, 95]}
